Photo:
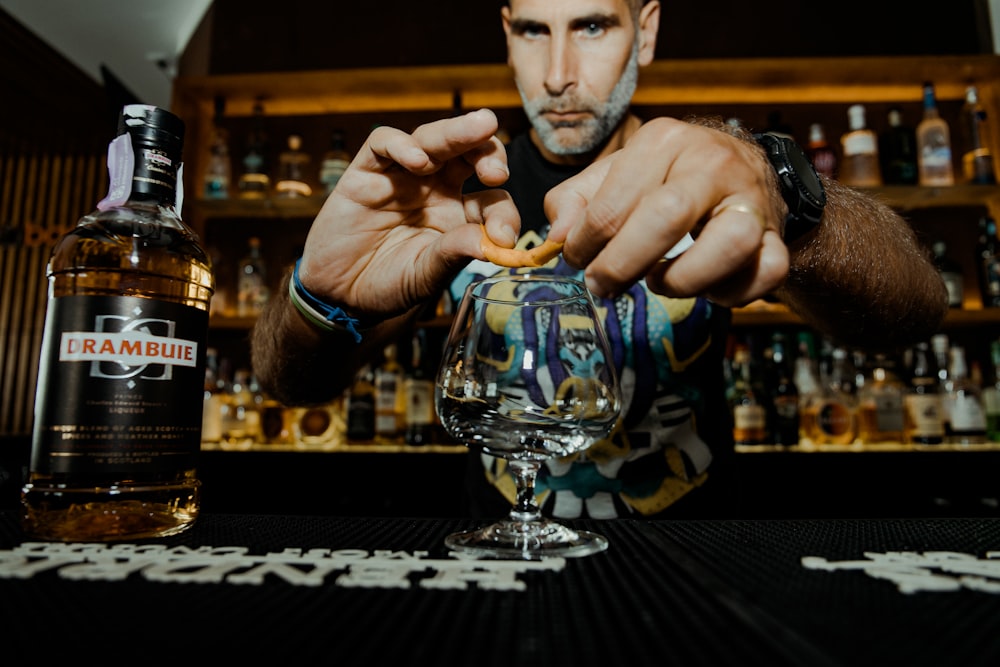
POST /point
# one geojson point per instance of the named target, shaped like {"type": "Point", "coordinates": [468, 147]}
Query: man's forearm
{"type": "Point", "coordinates": [863, 277]}
{"type": "Point", "coordinates": [299, 364]}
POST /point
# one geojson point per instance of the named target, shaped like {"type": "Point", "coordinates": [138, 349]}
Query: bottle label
{"type": "Point", "coordinates": [419, 402]}
{"type": "Point", "coordinates": [926, 414]}
{"type": "Point", "coordinates": [966, 414]}
{"type": "Point", "coordinates": [889, 412]}
{"type": "Point", "coordinates": [120, 386]}
{"type": "Point", "coordinates": [834, 419]}
{"type": "Point", "coordinates": [749, 417]}
{"type": "Point", "coordinates": [121, 165]}
{"type": "Point", "coordinates": [860, 143]}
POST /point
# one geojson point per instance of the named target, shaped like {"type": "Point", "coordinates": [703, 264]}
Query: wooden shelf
{"type": "Point", "coordinates": [338, 446]}
{"type": "Point", "coordinates": [765, 314]}
{"type": "Point", "coordinates": [857, 448]}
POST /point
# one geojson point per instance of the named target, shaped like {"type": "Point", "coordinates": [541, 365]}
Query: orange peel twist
{"type": "Point", "coordinates": [514, 258]}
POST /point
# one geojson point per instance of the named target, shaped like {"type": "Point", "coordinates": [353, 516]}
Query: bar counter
{"type": "Point", "coordinates": [361, 591]}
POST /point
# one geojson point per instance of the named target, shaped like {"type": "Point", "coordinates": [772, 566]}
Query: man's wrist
{"type": "Point", "coordinates": [319, 313]}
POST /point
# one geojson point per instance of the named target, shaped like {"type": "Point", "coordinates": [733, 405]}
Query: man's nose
{"type": "Point", "coordinates": [561, 72]}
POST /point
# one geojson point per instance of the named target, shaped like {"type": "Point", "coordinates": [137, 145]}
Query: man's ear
{"type": "Point", "coordinates": [649, 26]}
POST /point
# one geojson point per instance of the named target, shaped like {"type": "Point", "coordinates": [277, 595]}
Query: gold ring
{"type": "Point", "coordinates": [745, 208]}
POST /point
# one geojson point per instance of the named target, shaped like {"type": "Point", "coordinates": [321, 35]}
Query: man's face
{"type": "Point", "coordinates": [576, 66]}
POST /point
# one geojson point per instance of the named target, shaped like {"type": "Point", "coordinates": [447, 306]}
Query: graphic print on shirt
{"type": "Point", "coordinates": [654, 456]}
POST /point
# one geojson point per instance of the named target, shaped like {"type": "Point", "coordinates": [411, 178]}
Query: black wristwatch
{"type": "Point", "coordinates": [801, 187]}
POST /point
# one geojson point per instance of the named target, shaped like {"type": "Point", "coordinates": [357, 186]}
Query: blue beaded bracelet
{"type": "Point", "coordinates": [323, 315]}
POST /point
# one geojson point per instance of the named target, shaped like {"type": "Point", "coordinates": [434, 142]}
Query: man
{"type": "Point", "coordinates": [620, 194]}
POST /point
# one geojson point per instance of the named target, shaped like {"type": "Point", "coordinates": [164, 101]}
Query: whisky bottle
{"type": "Point", "coordinates": [951, 273]}
{"type": "Point", "coordinates": [211, 422]}
{"type": "Point", "coordinates": [119, 400]}
{"type": "Point", "coordinates": [880, 403]}
{"type": "Point", "coordinates": [988, 263]}
{"type": "Point", "coordinates": [749, 412]}
{"type": "Point", "coordinates": [292, 166]}
{"type": "Point", "coordinates": [923, 419]}
{"type": "Point", "coordinates": [836, 409]}
{"type": "Point", "coordinates": [252, 291]}
{"type": "Point", "coordinates": [419, 391]}
{"type": "Point", "coordinates": [963, 403]}
{"type": "Point", "coordinates": [820, 152]}
{"type": "Point", "coordinates": [859, 166]}
{"type": "Point", "coordinates": [361, 406]}
{"type": "Point", "coordinates": [240, 412]}
{"type": "Point", "coordinates": [807, 383]}
{"type": "Point", "coordinates": [254, 182]}
{"type": "Point", "coordinates": [218, 172]}
{"type": "Point", "coordinates": [390, 402]}
{"type": "Point", "coordinates": [898, 151]}
{"type": "Point", "coordinates": [991, 396]}
{"type": "Point", "coordinates": [784, 396]}
{"type": "Point", "coordinates": [933, 144]}
{"type": "Point", "coordinates": [335, 161]}
{"type": "Point", "coordinates": [977, 158]}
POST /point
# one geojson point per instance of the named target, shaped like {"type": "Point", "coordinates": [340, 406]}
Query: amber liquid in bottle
{"type": "Point", "coordinates": [112, 460]}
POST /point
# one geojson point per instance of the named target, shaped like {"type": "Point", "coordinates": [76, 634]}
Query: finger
{"type": "Point", "coordinates": [431, 144]}
{"type": "Point", "coordinates": [735, 283]}
{"type": "Point", "coordinates": [758, 279]}
{"type": "Point", "coordinates": [494, 210]}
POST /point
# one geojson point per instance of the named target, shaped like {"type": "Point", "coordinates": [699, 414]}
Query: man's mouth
{"type": "Point", "coordinates": [565, 118]}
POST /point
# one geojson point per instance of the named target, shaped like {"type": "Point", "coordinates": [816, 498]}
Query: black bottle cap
{"type": "Point", "coordinates": [152, 124]}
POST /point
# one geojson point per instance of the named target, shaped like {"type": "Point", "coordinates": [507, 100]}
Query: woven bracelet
{"type": "Point", "coordinates": [322, 315]}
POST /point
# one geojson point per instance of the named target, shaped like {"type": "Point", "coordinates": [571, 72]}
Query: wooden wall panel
{"type": "Point", "coordinates": [42, 195]}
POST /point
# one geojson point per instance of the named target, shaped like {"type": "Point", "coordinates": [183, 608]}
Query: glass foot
{"type": "Point", "coordinates": [526, 540]}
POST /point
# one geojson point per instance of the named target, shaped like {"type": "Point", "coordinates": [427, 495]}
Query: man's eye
{"type": "Point", "coordinates": [592, 29]}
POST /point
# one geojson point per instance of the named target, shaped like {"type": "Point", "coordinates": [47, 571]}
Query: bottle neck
{"type": "Point", "coordinates": [142, 172]}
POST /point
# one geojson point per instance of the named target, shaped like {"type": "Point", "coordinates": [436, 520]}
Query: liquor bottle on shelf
{"type": "Point", "coordinates": [218, 170]}
{"type": "Point", "coordinates": [419, 391]}
{"type": "Point", "coordinates": [988, 263]}
{"type": "Point", "coordinates": [360, 406]}
{"type": "Point", "coordinates": [880, 403]}
{"type": "Point", "coordinates": [859, 165]}
{"type": "Point", "coordinates": [254, 183]}
{"type": "Point", "coordinates": [784, 396]}
{"type": "Point", "coordinates": [991, 396]}
{"type": "Point", "coordinates": [951, 273]}
{"type": "Point", "coordinates": [898, 151]}
{"type": "Point", "coordinates": [963, 403]}
{"type": "Point", "coordinates": [240, 414]}
{"type": "Point", "coordinates": [836, 410]}
{"type": "Point", "coordinates": [807, 383]}
{"type": "Point", "coordinates": [933, 144]}
{"type": "Point", "coordinates": [977, 157]}
{"type": "Point", "coordinates": [923, 419]}
{"type": "Point", "coordinates": [122, 364]}
{"type": "Point", "coordinates": [749, 411]}
{"type": "Point", "coordinates": [390, 400]}
{"type": "Point", "coordinates": [211, 422]}
{"type": "Point", "coordinates": [335, 161]}
{"type": "Point", "coordinates": [293, 164]}
{"type": "Point", "coordinates": [939, 347]}
{"type": "Point", "coordinates": [820, 152]}
{"type": "Point", "coordinates": [252, 291]}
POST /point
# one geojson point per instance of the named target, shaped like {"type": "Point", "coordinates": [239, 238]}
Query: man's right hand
{"type": "Point", "coordinates": [395, 229]}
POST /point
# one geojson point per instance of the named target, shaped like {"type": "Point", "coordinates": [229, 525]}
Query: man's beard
{"type": "Point", "coordinates": [593, 131]}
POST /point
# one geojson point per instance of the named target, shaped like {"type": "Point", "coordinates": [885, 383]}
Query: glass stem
{"type": "Point", "coordinates": [525, 508]}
